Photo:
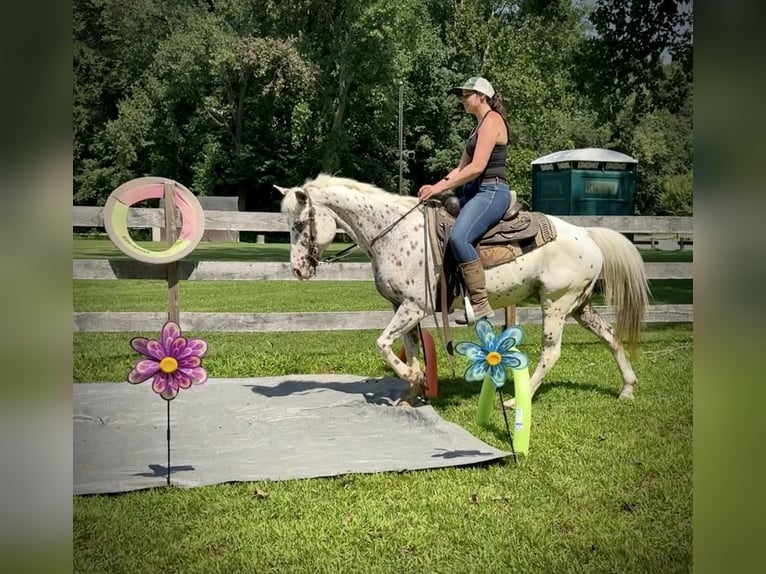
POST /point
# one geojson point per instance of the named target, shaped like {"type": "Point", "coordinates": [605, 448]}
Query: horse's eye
{"type": "Point", "coordinates": [299, 226]}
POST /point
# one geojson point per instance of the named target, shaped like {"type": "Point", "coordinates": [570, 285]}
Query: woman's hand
{"type": "Point", "coordinates": [427, 191]}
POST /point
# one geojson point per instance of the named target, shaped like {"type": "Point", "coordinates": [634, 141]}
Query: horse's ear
{"type": "Point", "coordinates": [300, 195]}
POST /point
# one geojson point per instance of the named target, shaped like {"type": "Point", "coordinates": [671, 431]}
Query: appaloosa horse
{"type": "Point", "coordinates": [389, 228]}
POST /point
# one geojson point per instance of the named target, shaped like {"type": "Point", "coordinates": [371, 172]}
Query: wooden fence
{"type": "Point", "coordinates": [270, 322]}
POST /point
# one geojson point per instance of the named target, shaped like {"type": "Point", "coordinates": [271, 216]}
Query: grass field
{"type": "Point", "coordinates": [105, 249]}
{"type": "Point", "coordinates": [278, 296]}
{"type": "Point", "coordinates": [607, 485]}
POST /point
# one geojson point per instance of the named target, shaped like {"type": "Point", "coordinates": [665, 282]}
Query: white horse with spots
{"type": "Point", "coordinates": [389, 228]}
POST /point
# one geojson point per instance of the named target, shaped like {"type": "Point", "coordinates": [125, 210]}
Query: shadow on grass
{"type": "Point", "coordinates": [379, 391]}
{"type": "Point", "coordinates": [546, 388]}
{"type": "Point", "coordinates": [452, 391]}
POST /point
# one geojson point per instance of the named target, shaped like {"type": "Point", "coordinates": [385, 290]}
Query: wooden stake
{"type": "Point", "coordinates": [510, 316]}
{"type": "Point", "coordinates": [171, 234]}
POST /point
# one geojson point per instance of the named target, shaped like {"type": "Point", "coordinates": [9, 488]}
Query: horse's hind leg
{"type": "Point", "coordinates": [553, 329]}
{"type": "Point", "coordinates": [554, 318]}
{"type": "Point", "coordinates": [591, 320]}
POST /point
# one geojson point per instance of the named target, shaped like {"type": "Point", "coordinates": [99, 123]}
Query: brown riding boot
{"type": "Point", "coordinates": [473, 277]}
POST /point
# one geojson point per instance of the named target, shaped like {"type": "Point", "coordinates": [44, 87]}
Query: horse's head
{"type": "Point", "coordinates": [312, 229]}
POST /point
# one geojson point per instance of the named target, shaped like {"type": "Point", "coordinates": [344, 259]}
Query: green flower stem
{"type": "Point", "coordinates": [486, 400]}
{"type": "Point", "coordinates": [523, 411]}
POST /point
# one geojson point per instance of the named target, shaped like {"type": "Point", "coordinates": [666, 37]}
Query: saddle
{"type": "Point", "coordinates": [517, 233]}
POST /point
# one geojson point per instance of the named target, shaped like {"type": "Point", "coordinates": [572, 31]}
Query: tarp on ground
{"type": "Point", "coordinates": [268, 428]}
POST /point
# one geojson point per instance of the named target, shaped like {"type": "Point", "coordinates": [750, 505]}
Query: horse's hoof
{"type": "Point", "coordinates": [627, 392]}
{"type": "Point", "coordinates": [509, 403]}
{"type": "Point", "coordinates": [409, 399]}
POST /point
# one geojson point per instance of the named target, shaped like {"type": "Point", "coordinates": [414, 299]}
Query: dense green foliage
{"type": "Point", "coordinates": [231, 96]}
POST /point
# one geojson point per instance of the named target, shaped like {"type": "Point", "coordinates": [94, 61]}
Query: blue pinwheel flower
{"type": "Point", "coordinates": [494, 354]}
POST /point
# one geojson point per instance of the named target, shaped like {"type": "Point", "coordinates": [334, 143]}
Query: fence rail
{"type": "Point", "coordinates": [268, 271]}
{"type": "Point", "coordinates": [115, 322]}
{"type": "Point", "coordinates": [268, 222]}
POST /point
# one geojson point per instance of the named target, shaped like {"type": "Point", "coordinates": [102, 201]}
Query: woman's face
{"type": "Point", "coordinates": [471, 100]}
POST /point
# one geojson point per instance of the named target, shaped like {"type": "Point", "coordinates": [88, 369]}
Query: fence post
{"type": "Point", "coordinates": [171, 234]}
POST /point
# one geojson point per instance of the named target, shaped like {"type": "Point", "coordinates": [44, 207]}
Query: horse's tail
{"type": "Point", "coordinates": [624, 282]}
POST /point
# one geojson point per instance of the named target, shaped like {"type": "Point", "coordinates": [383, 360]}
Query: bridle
{"type": "Point", "coordinates": [313, 255]}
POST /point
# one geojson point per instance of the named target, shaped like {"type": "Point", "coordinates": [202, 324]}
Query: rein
{"type": "Point", "coordinates": [340, 255]}
{"type": "Point", "coordinates": [315, 260]}
{"type": "Point", "coordinates": [395, 223]}
{"type": "Point", "coordinates": [446, 342]}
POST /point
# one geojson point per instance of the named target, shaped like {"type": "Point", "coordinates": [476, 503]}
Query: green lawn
{"type": "Point", "coordinates": [607, 485]}
{"type": "Point", "coordinates": [277, 296]}
{"type": "Point", "coordinates": [105, 249]}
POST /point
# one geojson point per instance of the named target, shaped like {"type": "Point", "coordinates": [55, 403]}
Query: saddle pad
{"type": "Point", "coordinates": [496, 253]}
{"type": "Point", "coordinates": [501, 244]}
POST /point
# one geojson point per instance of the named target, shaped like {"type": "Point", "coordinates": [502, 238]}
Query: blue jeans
{"type": "Point", "coordinates": [482, 207]}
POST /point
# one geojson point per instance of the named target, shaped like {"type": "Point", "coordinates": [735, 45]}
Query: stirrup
{"type": "Point", "coordinates": [470, 316]}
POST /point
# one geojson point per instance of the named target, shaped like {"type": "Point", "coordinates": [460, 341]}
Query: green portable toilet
{"type": "Point", "coordinates": [588, 181]}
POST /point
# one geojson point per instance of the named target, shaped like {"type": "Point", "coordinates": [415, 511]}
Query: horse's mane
{"type": "Point", "coordinates": [324, 180]}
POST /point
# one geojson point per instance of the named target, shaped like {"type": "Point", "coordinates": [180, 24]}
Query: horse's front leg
{"type": "Point", "coordinates": [411, 340]}
{"type": "Point", "coordinates": [406, 318]}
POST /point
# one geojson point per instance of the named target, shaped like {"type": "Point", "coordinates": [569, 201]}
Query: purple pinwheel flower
{"type": "Point", "coordinates": [174, 362]}
{"type": "Point", "coordinates": [494, 354]}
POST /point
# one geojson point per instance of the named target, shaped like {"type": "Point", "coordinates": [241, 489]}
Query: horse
{"type": "Point", "coordinates": [390, 229]}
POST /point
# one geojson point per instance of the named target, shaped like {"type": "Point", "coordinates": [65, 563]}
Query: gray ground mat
{"type": "Point", "coordinates": [268, 428]}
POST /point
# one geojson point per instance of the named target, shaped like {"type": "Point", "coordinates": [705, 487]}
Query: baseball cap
{"type": "Point", "coordinates": [478, 84]}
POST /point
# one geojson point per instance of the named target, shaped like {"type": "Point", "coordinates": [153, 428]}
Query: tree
{"type": "Point", "coordinates": [231, 96]}
{"type": "Point", "coordinates": [525, 49]}
{"type": "Point", "coordinates": [661, 142]}
{"type": "Point", "coordinates": [637, 69]}
{"type": "Point", "coordinates": [107, 59]}
{"type": "Point", "coordinates": [209, 110]}
{"type": "Point", "coordinates": [362, 51]}
{"type": "Point", "coordinates": [627, 57]}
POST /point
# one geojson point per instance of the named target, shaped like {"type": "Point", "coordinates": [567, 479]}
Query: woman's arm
{"type": "Point", "coordinates": [469, 169]}
{"type": "Point", "coordinates": [447, 182]}
{"type": "Point", "coordinates": [464, 161]}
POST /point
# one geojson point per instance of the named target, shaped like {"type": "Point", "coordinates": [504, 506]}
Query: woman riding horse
{"type": "Point", "coordinates": [487, 195]}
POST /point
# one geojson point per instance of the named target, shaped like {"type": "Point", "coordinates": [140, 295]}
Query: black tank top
{"type": "Point", "coordinates": [496, 164]}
